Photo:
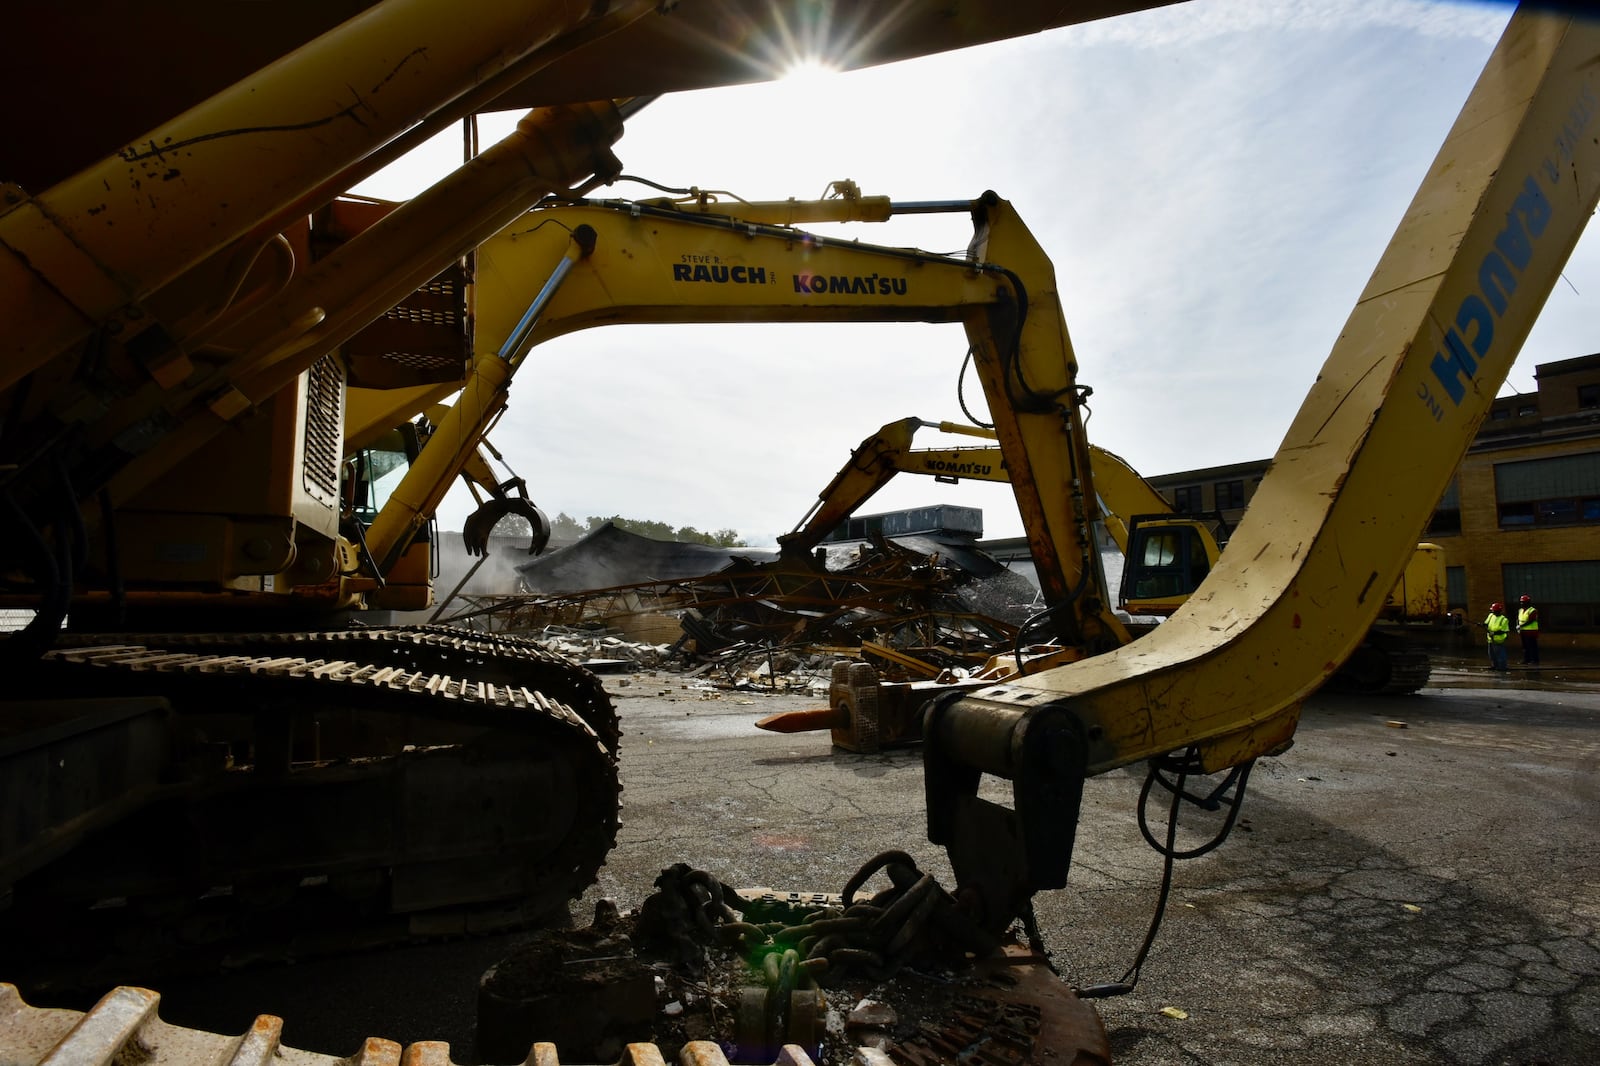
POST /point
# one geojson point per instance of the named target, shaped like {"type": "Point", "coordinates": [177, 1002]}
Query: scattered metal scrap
{"type": "Point", "coordinates": [758, 973]}
{"type": "Point", "coordinates": [912, 607]}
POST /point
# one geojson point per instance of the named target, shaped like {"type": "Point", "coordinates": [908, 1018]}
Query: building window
{"type": "Point", "coordinates": [1186, 499]}
{"type": "Point", "coordinates": [1446, 520]}
{"type": "Point", "coordinates": [1589, 395]}
{"type": "Point", "coordinates": [1455, 588]}
{"type": "Point", "coordinates": [1561, 491]}
{"type": "Point", "coordinates": [1527, 409]}
{"type": "Point", "coordinates": [1230, 495]}
{"type": "Point", "coordinates": [1567, 594]}
{"type": "Point", "coordinates": [1499, 414]}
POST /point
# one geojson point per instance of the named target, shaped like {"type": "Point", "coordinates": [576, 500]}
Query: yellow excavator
{"type": "Point", "coordinates": [164, 330]}
{"type": "Point", "coordinates": [1123, 500]}
{"type": "Point", "coordinates": [1167, 553]}
{"type": "Point", "coordinates": [1166, 557]}
{"type": "Point", "coordinates": [696, 259]}
{"type": "Point", "coordinates": [864, 712]}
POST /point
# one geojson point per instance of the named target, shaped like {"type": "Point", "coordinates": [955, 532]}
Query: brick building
{"type": "Point", "coordinates": [1212, 490]}
{"type": "Point", "coordinates": [1521, 516]}
{"type": "Point", "coordinates": [1523, 513]}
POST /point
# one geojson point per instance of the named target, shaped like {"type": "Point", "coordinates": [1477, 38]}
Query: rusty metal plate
{"type": "Point", "coordinates": [125, 1027]}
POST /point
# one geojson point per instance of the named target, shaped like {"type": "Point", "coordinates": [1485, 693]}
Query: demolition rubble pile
{"type": "Point", "coordinates": [914, 607]}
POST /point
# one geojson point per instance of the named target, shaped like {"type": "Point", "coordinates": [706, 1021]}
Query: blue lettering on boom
{"type": "Point", "coordinates": [1467, 344]}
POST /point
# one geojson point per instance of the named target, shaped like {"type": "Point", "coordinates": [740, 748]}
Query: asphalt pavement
{"type": "Point", "coordinates": [1416, 881]}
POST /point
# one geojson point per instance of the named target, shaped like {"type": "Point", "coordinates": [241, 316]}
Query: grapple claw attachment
{"type": "Point", "coordinates": [475, 531]}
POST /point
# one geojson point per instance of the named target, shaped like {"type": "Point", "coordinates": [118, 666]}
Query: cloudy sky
{"type": "Point", "coordinates": [1214, 182]}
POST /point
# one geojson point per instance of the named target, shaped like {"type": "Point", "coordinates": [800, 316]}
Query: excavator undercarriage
{"type": "Point", "coordinates": [291, 789]}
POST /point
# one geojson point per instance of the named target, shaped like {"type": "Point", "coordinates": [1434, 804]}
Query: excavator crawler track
{"type": "Point", "coordinates": [126, 1026]}
{"type": "Point", "coordinates": [1384, 664]}
{"type": "Point", "coordinates": [321, 792]}
{"type": "Point", "coordinates": [501, 659]}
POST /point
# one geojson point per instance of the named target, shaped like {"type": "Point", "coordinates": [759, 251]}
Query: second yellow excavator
{"type": "Point", "coordinates": [1166, 557]}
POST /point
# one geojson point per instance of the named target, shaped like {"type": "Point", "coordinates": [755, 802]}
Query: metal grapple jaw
{"type": "Point", "coordinates": [475, 531]}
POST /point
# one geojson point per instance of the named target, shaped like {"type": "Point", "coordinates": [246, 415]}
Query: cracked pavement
{"type": "Point", "coordinates": [1426, 891]}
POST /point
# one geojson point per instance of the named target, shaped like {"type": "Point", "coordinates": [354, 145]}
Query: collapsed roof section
{"type": "Point", "coordinates": [609, 556]}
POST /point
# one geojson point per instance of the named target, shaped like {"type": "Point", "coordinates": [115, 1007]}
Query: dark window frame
{"type": "Point", "coordinates": [1557, 511]}
{"type": "Point", "coordinates": [1554, 491]}
{"type": "Point", "coordinates": [1455, 582]}
{"type": "Point", "coordinates": [1446, 522]}
{"type": "Point", "coordinates": [1564, 591]}
{"type": "Point", "coordinates": [1189, 499]}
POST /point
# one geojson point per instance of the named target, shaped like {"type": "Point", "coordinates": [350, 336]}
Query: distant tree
{"type": "Point", "coordinates": [564, 528]}
{"type": "Point", "coordinates": [512, 525]}
{"type": "Point", "coordinates": [722, 538]}
{"type": "Point", "coordinates": [646, 528]}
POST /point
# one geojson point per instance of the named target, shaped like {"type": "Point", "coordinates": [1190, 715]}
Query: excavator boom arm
{"type": "Point", "coordinates": [656, 264]}
{"type": "Point", "coordinates": [1338, 513]}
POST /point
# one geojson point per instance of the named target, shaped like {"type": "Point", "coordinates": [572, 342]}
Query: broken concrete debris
{"type": "Point", "coordinates": [913, 607]}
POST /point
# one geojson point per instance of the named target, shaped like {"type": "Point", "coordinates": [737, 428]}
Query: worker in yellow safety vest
{"type": "Point", "coordinates": [1528, 626]}
{"type": "Point", "coordinates": [1499, 629]}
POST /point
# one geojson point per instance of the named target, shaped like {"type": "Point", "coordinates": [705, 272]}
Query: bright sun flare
{"type": "Point", "coordinates": [807, 69]}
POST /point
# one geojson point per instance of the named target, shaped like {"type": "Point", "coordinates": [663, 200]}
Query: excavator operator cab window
{"type": "Point", "coordinates": [1164, 562]}
{"type": "Point", "coordinates": [1160, 564]}
{"type": "Point", "coordinates": [1160, 550]}
{"type": "Point", "coordinates": [373, 473]}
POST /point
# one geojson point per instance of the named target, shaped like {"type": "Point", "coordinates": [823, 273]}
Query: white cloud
{"type": "Point", "coordinates": [1204, 20]}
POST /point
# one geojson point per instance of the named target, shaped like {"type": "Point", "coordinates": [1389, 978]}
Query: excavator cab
{"type": "Point", "coordinates": [371, 475]}
{"type": "Point", "coordinates": [1167, 558]}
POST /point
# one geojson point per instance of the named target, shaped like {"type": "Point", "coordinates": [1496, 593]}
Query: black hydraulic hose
{"type": "Point", "coordinates": [1130, 977]}
{"type": "Point", "coordinates": [961, 393]}
{"type": "Point", "coordinates": [1237, 779]}
{"type": "Point", "coordinates": [742, 226]}
{"type": "Point", "coordinates": [364, 553]}
{"type": "Point", "coordinates": [1011, 357]}
{"type": "Point", "coordinates": [668, 189]}
{"type": "Point", "coordinates": [1010, 361]}
{"type": "Point", "coordinates": [1034, 621]}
